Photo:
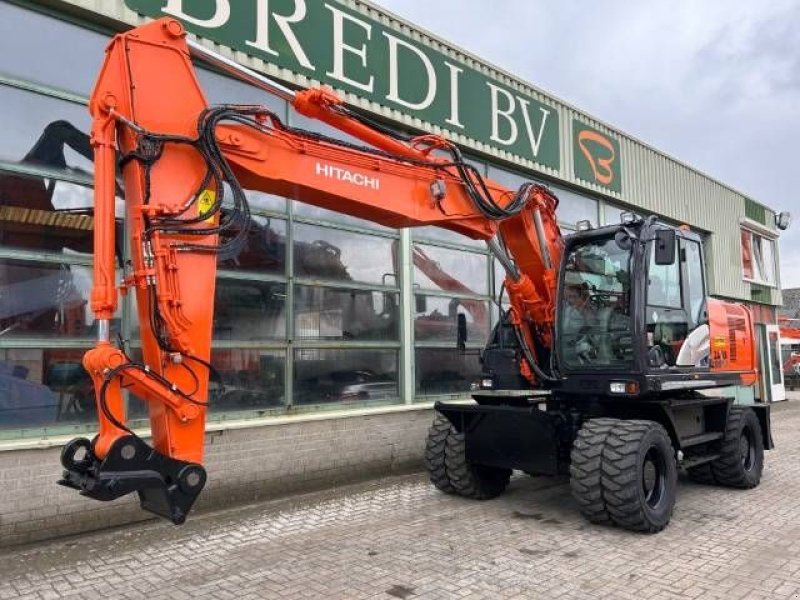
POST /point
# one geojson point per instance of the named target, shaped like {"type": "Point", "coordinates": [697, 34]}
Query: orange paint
{"type": "Point", "coordinates": [148, 79]}
{"type": "Point", "coordinates": [601, 167]}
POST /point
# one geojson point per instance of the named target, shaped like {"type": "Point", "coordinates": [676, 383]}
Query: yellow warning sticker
{"type": "Point", "coordinates": [205, 201]}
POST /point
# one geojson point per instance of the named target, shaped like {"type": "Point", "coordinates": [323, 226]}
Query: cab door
{"type": "Point", "coordinates": [772, 369]}
{"type": "Point", "coordinates": [675, 309]}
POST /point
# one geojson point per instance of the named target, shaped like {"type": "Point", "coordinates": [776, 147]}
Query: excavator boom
{"type": "Point", "coordinates": [184, 166]}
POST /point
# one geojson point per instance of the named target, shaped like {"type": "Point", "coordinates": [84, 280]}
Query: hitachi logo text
{"type": "Point", "coordinates": [344, 175]}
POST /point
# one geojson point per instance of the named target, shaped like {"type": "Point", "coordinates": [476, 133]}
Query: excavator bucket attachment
{"type": "Point", "coordinates": [167, 487]}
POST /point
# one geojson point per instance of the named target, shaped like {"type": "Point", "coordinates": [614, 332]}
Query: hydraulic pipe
{"type": "Point", "coordinates": [239, 72]}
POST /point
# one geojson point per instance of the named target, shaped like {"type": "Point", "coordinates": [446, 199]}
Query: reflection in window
{"type": "Point", "coordinates": [436, 318]}
{"type": "Point", "coordinates": [321, 253]}
{"type": "Point", "coordinates": [310, 211]}
{"type": "Point", "coordinates": [73, 66]}
{"type": "Point", "coordinates": [664, 283]}
{"type": "Point", "coordinates": [353, 377]}
{"type": "Point", "coordinates": [46, 300]}
{"type": "Point", "coordinates": [253, 380]}
{"type": "Point", "coordinates": [445, 235]}
{"type": "Point", "coordinates": [694, 281]}
{"type": "Point", "coordinates": [220, 89]}
{"type": "Point", "coordinates": [249, 310]}
{"type": "Point", "coordinates": [573, 207]}
{"type": "Point", "coordinates": [758, 258]}
{"type": "Point", "coordinates": [41, 387]}
{"type": "Point", "coordinates": [450, 270]}
{"type": "Point", "coordinates": [48, 215]}
{"type": "Point", "coordinates": [444, 371]}
{"type": "Point", "coordinates": [44, 131]}
{"type": "Point", "coordinates": [330, 314]}
{"type": "Point", "coordinates": [265, 249]}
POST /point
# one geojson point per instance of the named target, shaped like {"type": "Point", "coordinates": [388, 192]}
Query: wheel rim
{"type": "Point", "coordinates": [654, 477]}
{"type": "Point", "coordinates": [747, 449]}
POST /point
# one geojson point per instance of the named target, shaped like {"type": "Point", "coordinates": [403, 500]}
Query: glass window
{"type": "Point", "coordinates": [436, 318]}
{"type": "Point", "coordinates": [322, 253]}
{"type": "Point", "coordinates": [345, 377]}
{"type": "Point", "coordinates": [221, 89]}
{"type": "Point", "coordinates": [244, 310]}
{"type": "Point", "coordinates": [444, 371]}
{"type": "Point", "coordinates": [747, 255]}
{"type": "Point", "coordinates": [261, 201]}
{"type": "Point", "coordinates": [573, 207]}
{"type": "Point", "coordinates": [332, 314]}
{"type": "Point", "coordinates": [758, 258]}
{"type": "Point", "coordinates": [249, 310]}
{"type": "Point", "coordinates": [509, 179]}
{"type": "Point", "coordinates": [42, 387]}
{"type": "Point", "coordinates": [44, 131]}
{"type": "Point", "coordinates": [663, 284]}
{"type": "Point", "coordinates": [45, 300]}
{"type": "Point", "coordinates": [309, 211]}
{"type": "Point", "coordinates": [594, 324]}
{"type": "Point", "coordinates": [253, 380]}
{"type": "Point", "coordinates": [31, 35]}
{"type": "Point", "coordinates": [450, 270]}
{"type": "Point", "coordinates": [48, 215]}
{"type": "Point", "coordinates": [445, 235]}
{"type": "Point", "coordinates": [694, 280]}
{"type": "Point", "coordinates": [264, 251]}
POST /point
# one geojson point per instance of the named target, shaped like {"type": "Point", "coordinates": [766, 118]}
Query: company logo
{"type": "Point", "coordinates": [352, 177]}
{"type": "Point", "coordinates": [596, 156]}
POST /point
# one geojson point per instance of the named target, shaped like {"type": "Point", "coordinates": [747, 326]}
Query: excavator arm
{"type": "Point", "coordinates": [185, 165]}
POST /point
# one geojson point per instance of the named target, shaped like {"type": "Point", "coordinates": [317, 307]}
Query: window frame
{"type": "Point", "coordinates": [753, 234]}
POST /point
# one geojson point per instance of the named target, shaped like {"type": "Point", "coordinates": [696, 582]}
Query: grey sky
{"type": "Point", "coordinates": [713, 83]}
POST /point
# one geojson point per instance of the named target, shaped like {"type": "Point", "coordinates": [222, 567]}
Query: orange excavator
{"type": "Point", "coordinates": [606, 366]}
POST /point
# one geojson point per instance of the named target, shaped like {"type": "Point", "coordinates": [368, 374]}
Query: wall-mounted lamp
{"type": "Point", "coordinates": [783, 220]}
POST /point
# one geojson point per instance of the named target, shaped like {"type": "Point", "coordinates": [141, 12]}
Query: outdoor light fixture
{"type": "Point", "coordinates": [783, 220]}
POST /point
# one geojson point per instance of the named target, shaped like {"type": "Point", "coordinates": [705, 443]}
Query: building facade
{"type": "Point", "coordinates": [333, 335]}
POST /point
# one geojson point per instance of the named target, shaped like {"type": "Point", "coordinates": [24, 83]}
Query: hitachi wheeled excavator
{"type": "Point", "coordinates": [605, 365]}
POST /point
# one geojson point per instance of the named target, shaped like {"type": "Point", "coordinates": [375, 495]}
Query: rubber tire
{"type": "Point", "coordinates": [623, 459]}
{"type": "Point", "coordinates": [435, 453]}
{"type": "Point", "coordinates": [728, 469]}
{"type": "Point", "coordinates": [585, 469]}
{"type": "Point", "coordinates": [478, 482]}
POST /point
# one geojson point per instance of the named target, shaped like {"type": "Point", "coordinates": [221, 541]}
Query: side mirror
{"type": "Point", "coordinates": [461, 341]}
{"type": "Point", "coordinates": [665, 247]}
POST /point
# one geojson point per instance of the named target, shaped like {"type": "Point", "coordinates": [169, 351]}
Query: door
{"type": "Point", "coordinates": [773, 369]}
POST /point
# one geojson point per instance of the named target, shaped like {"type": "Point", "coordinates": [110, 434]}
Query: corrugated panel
{"type": "Point", "coordinates": [650, 180]}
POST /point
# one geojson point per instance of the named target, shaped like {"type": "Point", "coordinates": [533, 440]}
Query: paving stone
{"type": "Point", "coordinates": [399, 538]}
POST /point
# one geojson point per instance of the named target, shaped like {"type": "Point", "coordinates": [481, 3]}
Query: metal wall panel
{"type": "Point", "coordinates": [651, 181]}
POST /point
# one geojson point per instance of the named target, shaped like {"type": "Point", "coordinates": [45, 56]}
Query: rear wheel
{"type": "Point", "coordinates": [585, 471]}
{"type": "Point", "coordinates": [435, 453]}
{"type": "Point", "coordinates": [639, 476]}
{"type": "Point", "coordinates": [741, 460]}
{"type": "Point", "coordinates": [479, 482]}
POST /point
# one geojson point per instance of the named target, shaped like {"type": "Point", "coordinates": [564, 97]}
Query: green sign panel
{"type": "Point", "coordinates": [596, 156]}
{"type": "Point", "coordinates": [341, 47]}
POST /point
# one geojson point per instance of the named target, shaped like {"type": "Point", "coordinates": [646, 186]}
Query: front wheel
{"type": "Point", "coordinates": [639, 476]}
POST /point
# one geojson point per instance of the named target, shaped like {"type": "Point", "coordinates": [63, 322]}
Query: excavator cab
{"type": "Point", "coordinates": [634, 318]}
